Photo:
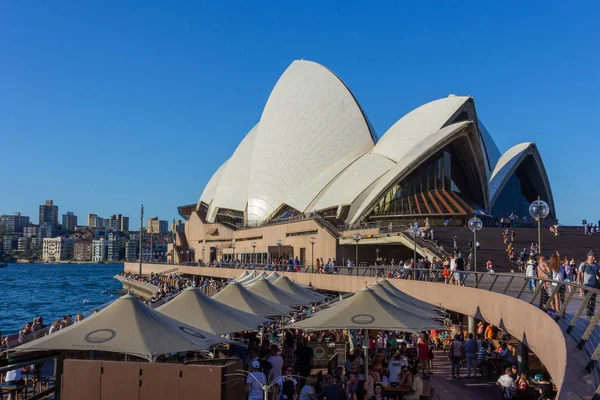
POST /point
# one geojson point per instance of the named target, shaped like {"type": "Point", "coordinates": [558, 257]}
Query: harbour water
{"type": "Point", "coordinates": [53, 290]}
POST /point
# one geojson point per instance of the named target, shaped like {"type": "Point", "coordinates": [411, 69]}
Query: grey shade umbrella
{"type": "Point", "coordinates": [365, 310]}
{"type": "Point", "coordinates": [390, 297]}
{"type": "Point", "coordinates": [127, 326]}
{"type": "Point", "coordinates": [248, 276]}
{"type": "Point", "coordinates": [273, 277]}
{"type": "Point", "coordinates": [237, 296]}
{"type": "Point", "coordinates": [197, 309]}
{"type": "Point", "coordinates": [399, 293]}
{"type": "Point", "coordinates": [257, 277]}
{"type": "Point", "coordinates": [265, 289]}
{"type": "Point", "coordinates": [242, 276]}
{"type": "Point", "coordinates": [287, 285]}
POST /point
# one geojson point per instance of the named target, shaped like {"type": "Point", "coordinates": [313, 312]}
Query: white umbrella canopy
{"type": "Point", "coordinates": [365, 310]}
{"type": "Point", "coordinates": [265, 289]}
{"type": "Point", "coordinates": [287, 285]}
{"type": "Point", "coordinates": [390, 297]}
{"type": "Point", "coordinates": [399, 293]}
{"type": "Point", "coordinates": [198, 310]}
{"type": "Point", "coordinates": [244, 278]}
{"type": "Point", "coordinates": [273, 277]}
{"type": "Point", "coordinates": [127, 326]}
{"type": "Point", "coordinates": [237, 296]}
{"type": "Point", "coordinates": [257, 277]}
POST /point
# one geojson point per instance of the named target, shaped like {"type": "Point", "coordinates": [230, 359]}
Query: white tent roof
{"type": "Point", "coordinates": [127, 326]}
{"type": "Point", "coordinates": [246, 277]}
{"type": "Point", "coordinates": [287, 285]}
{"type": "Point", "coordinates": [237, 296]}
{"type": "Point", "coordinates": [273, 277]}
{"type": "Point", "coordinates": [265, 289]}
{"type": "Point", "coordinates": [365, 310]}
{"type": "Point", "coordinates": [255, 278]}
{"type": "Point", "coordinates": [197, 309]}
{"type": "Point", "coordinates": [399, 293]}
{"type": "Point", "coordinates": [403, 303]}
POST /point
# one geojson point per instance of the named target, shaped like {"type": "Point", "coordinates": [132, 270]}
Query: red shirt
{"type": "Point", "coordinates": [423, 351]}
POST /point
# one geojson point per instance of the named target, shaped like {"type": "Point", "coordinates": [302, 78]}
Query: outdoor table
{"type": "Point", "coordinates": [396, 391]}
{"type": "Point", "coordinates": [11, 388]}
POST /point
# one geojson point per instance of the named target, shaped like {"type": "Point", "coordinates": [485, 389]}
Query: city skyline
{"type": "Point", "coordinates": [137, 105]}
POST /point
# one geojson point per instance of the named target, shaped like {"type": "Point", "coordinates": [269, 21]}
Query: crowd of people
{"type": "Point", "coordinates": [36, 328]}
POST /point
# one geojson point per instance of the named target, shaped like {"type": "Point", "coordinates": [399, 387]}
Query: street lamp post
{"type": "Point", "coordinates": [142, 237]}
{"type": "Point", "coordinates": [233, 246]}
{"type": "Point", "coordinates": [187, 255]}
{"type": "Point", "coordinates": [217, 247]}
{"type": "Point", "coordinates": [357, 238]}
{"type": "Point", "coordinates": [376, 255]}
{"type": "Point", "coordinates": [475, 225]}
{"type": "Point", "coordinates": [192, 254]}
{"type": "Point", "coordinates": [312, 240]}
{"type": "Point", "coordinates": [539, 210]}
{"type": "Point", "coordinates": [203, 259]}
{"type": "Point", "coordinates": [414, 232]}
{"type": "Point", "coordinates": [181, 256]}
{"type": "Point", "coordinates": [253, 244]}
{"type": "Point", "coordinates": [279, 242]}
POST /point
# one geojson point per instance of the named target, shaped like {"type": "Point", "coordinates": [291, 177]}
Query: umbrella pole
{"type": "Point", "coordinates": [366, 348]}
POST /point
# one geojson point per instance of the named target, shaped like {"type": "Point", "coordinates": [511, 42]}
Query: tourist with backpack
{"type": "Point", "coordinates": [589, 271]}
{"type": "Point", "coordinates": [286, 387]}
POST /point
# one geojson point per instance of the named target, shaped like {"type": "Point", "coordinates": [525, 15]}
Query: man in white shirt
{"type": "Point", "coordinates": [277, 362]}
{"type": "Point", "coordinates": [507, 384]}
{"type": "Point", "coordinates": [255, 382]}
{"type": "Point", "coordinates": [395, 366]}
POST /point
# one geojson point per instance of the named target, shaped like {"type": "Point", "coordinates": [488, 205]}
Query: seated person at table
{"type": "Point", "coordinates": [507, 354]}
{"type": "Point", "coordinates": [417, 388]}
{"type": "Point", "coordinates": [378, 395]}
{"type": "Point", "coordinates": [405, 379]}
{"type": "Point", "coordinates": [395, 367]}
{"type": "Point", "coordinates": [507, 384]}
{"type": "Point", "coordinates": [545, 387]}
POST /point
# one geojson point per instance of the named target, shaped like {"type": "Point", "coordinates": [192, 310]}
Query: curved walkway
{"type": "Point", "coordinates": [500, 299]}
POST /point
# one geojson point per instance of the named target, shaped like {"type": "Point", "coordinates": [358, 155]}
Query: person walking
{"type": "Point", "coordinates": [589, 271]}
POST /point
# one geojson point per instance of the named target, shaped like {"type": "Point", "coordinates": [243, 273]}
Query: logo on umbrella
{"type": "Point", "coordinates": [363, 319]}
{"type": "Point", "coordinates": [192, 332]}
{"type": "Point", "coordinates": [100, 336]}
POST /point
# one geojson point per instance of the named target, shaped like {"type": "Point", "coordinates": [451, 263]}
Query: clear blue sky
{"type": "Point", "coordinates": [105, 105]}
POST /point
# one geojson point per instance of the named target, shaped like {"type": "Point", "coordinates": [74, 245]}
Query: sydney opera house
{"type": "Point", "coordinates": [312, 166]}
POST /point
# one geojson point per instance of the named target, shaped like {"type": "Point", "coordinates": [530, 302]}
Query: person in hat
{"type": "Point", "coordinates": [255, 382]}
{"type": "Point", "coordinates": [589, 271]}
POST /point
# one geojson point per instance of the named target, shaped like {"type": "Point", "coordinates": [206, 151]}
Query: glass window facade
{"type": "Point", "coordinates": [415, 195]}
{"type": "Point", "coordinates": [523, 187]}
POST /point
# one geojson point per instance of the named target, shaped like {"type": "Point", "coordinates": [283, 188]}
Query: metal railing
{"type": "Point", "coordinates": [577, 314]}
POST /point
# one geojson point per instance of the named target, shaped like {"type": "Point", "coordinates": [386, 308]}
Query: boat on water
{"type": "Point", "coordinates": [2, 265]}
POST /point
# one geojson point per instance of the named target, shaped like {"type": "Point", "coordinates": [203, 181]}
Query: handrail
{"type": "Point", "coordinates": [569, 316]}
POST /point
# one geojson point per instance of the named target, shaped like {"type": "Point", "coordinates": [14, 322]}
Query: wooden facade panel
{"type": "Point", "coordinates": [120, 380]}
{"type": "Point", "coordinates": [81, 380]}
{"type": "Point", "coordinates": [233, 386]}
{"type": "Point", "coordinates": [200, 382]}
{"type": "Point", "coordinates": [159, 381]}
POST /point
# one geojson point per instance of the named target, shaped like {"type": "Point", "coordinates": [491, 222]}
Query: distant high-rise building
{"type": "Point", "coordinates": [9, 243]}
{"type": "Point", "coordinates": [131, 249]}
{"type": "Point", "coordinates": [69, 221]}
{"type": "Point", "coordinates": [113, 247]}
{"type": "Point", "coordinates": [99, 250]}
{"type": "Point", "coordinates": [154, 225]}
{"type": "Point", "coordinates": [47, 230]}
{"type": "Point", "coordinates": [82, 250]}
{"type": "Point", "coordinates": [11, 224]}
{"type": "Point", "coordinates": [95, 221]}
{"type": "Point", "coordinates": [113, 223]}
{"type": "Point", "coordinates": [49, 213]}
{"type": "Point", "coordinates": [124, 223]}
{"type": "Point", "coordinates": [23, 243]}
{"type": "Point", "coordinates": [31, 230]}
{"type": "Point", "coordinates": [57, 249]}
{"type": "Point", "coordinates": [177, 226]}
